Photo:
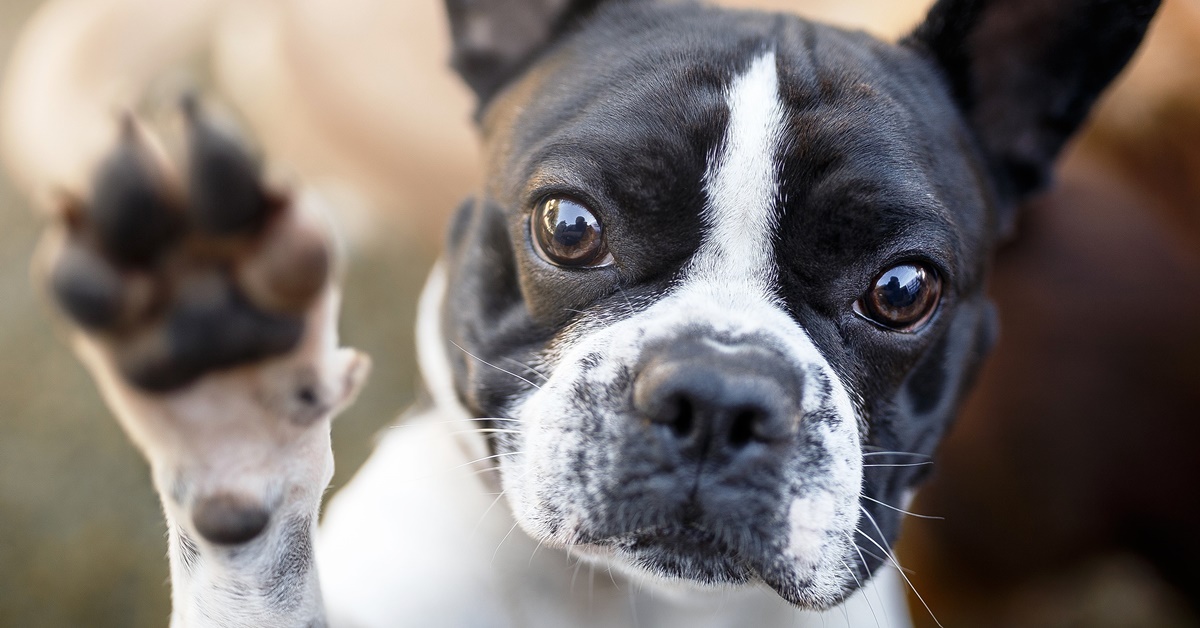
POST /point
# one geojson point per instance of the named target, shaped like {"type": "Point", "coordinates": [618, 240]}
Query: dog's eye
{"type": "Point", "coordinates": [566, 233]}
{"type": "Point", "coordinates": [902, 298]}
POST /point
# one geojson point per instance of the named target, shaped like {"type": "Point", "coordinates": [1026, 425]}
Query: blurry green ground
{"type": "Point", "coordinates": [81, 534]}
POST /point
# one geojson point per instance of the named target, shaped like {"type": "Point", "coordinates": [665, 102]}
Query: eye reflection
{"type": "Point", "coordinates": [902, 298]}
{"type": "Point", "coordinates": [900, 295]}
{"type": "Point", "coordinates": [567, 234]}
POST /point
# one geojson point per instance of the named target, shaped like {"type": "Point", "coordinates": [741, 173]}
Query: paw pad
{"type": "Point", "coordinates": [181, 278]}
{"type": "Point", "coordinates": [229, 520]}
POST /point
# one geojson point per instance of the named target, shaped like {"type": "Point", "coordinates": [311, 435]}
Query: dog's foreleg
{"type": "Point", "coordinates": [205, 315]}
{"type": "Point", "coordinates": [204, 303]}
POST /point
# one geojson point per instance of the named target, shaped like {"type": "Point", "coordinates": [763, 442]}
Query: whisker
{"type": "Point", "coordinates": [901, 510]}
{"type": "Point", "coordinates": [434, 474]}
{"type": "Point", "coordinates": [528, 368]}
{"type": "Point", "coordinates": [501, 543]}
{"type": "Point", "coordinates": [897, 564]}
{"type": "Point", "coordinates": [858, 585]}
{"type": "Point", "coordinates": [485, 514]}
{"type": "Point", "coordinates": [613, 578]}
{"type": "Point", "coordinates": [896, 453]}
{"type": "Point", "coordinates": [494, 366]}
{"type": "Point", "coordinates": [899, 464]}
{"type": "Point", "coordinates": [449, 421]}
{"type": "Point", "coordinates": [485, 470]}
{"type": "Point", "coordinates": [591, 585]}
{"type": "Point", "coordinates": [538, 546]}
{"type": "Point", "coordinates": [868, 552]}
{"type": "Point", "coordinates": [578, 564]}
{"type": "Point", "coordinates": [478, 460]}
{"type": "Point", "coordinates": [492, 505]}
{"type": "Point", "coordinates": [878, 594]}
{"type": "Point", "coordinates": [862, 549]}
{"type": "Point", "coordinates": [486, 430]}
{"type": "Point", "coordinates": [860, 552]}
{"type": "Point", "coordinates": [627, 301]}
{"type": "Point", "coordinates": [535, 550]}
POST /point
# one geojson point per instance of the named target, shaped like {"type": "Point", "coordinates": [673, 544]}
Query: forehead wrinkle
{"type": "Point", "coordinates": [741, 186]}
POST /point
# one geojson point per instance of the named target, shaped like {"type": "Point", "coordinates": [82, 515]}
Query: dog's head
{"type": "Point", "coordinates": [725, 262]}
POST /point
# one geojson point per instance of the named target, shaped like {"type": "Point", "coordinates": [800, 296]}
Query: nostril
{"type": "Point", "coordinates": [227, 519]}
{"type": "Point", "coordinates": [677, 413]}
{"type": "Point", "coordinates": [744, 426]}
{"type": "Point", "coordinates": [685, 417]}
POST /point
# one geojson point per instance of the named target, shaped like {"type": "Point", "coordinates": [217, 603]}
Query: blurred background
{"type": "Point", "coordinates": [1068, 487]}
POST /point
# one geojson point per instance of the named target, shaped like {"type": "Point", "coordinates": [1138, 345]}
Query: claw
{"type": "Point", "coordinates": [130, 208]}
{"type": "Point", "coordinates": [224, 193]}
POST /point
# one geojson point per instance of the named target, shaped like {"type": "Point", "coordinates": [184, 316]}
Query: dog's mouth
{"type": "Point", "coordinates": [677, 554]}
{"type": "Point", "coordinates": [705, 554]}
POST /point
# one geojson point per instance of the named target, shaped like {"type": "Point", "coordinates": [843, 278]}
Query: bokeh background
{"type": "Point", "coordinates": [1069, 487]}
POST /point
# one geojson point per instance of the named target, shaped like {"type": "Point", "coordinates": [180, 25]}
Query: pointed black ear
{"type": "Point", "coordinates": [1026, 72]}
{"type": "Point", "coordinates": [495, 39]}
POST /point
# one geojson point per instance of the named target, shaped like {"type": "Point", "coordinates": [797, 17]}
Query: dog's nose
{"type": "Point", "coordinates": [714, 401]}
{"type": "Point", "coordinates": [227, 519]}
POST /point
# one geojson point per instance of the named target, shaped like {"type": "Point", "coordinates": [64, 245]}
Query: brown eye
{"type": "Point", "coordinates": [567, 234]}
{"type": "Point", "coordinates": [902, 298]}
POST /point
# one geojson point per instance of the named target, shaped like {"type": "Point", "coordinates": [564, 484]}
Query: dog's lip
{"type": "Point", "coordinates": [689, 535]}
{"type": "Point", "coordinates": [663, 549]}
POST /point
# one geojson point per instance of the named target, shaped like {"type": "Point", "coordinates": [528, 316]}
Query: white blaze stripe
{"type": "Point", "coordinates": [742, 186]}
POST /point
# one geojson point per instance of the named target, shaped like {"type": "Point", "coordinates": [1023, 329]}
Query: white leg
{"type": "Point", "coordinates": [213, 339]}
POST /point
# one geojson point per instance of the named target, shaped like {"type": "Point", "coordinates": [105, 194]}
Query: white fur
{"type": "Point", "coordinates": [742, 186]}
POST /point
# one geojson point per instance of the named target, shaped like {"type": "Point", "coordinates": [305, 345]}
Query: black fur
{"type": "Point", "coordinates": [1026, 72]}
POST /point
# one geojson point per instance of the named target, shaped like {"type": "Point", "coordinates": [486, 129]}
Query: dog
{"type": "Point", "coordinates": [719, 298]}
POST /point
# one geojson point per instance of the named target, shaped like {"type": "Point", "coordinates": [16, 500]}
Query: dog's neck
{"type": "Point", "coordinates": [584, 595]}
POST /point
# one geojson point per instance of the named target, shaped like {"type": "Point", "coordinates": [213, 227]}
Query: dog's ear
{"type": "Point", "coordinates": [1026, 72]}
{"type": "Point", "coordinates": [495, 39]}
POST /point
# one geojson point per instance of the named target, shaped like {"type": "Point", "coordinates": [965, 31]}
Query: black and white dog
{"type": "Point", "coordinates": [718, 300]}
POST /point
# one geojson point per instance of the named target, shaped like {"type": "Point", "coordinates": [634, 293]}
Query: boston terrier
{"type": "Point", "coordinates": [697, 336]}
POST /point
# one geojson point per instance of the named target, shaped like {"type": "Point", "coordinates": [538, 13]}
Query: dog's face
{"type": "Point", "coordinates": [723, 265]}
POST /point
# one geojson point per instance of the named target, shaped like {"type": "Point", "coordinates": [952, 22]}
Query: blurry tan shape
{"type": "Point", "coordinates": [359, 91]}
{"type": "Point", "coordinates": [888, 19]}
{"type": "Point", "coordinates": [75, 67]}
{"type": "Point", "coordinates": [355, 95]}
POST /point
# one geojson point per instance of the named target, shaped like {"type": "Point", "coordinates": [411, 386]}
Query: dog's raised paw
{"type": "Point", "coordinates": [178, 273]}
